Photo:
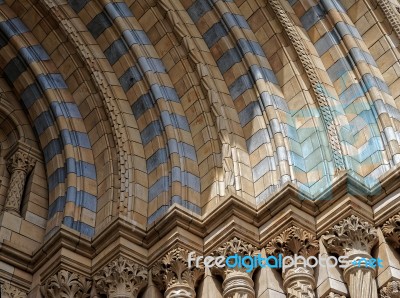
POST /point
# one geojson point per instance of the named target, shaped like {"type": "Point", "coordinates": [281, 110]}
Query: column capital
{"type": "Point", "coordinates": [20, 160]}
{"type": "Point", "coordinates": [9, 291]}
{"type": "Point", "coordinates": [173, 274]}
{"type": "Point", "coordinates": [293, 241]}
{"type": "Point", "coordinates": [391, 290]}
{"type": "Point", "coordinates": [391, 230]}
{"type": "Point", "coordinates": [66, 284]}
{"type": "Point", "coordinates": [121, 278]}
{"type": "Point", "coordinates": [351, 236]}
{"type": "Point", "coordinates": [235, 246]}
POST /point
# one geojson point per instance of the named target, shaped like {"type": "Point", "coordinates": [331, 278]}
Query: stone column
{"type": "Point", "coordinates": [237, 282]}
{"type": "Point", "coordinates": [354, 238]}
{"type": "Point", "coordinates": [298, 280]}
{"type": "Point", "coordinates": [173, 274]}
{"type": "Point", "coordinates": [67, 285]}
{"type": "Point", "coordinates": [121, 278]}
{"type": "Point", "coordinates": [19, 165]}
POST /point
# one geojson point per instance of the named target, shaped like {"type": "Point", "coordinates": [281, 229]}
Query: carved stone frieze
{"type": "Point", "coordinates": [391, 230]}
{"type": "Point", "coordinates": [391, 290]}
{"type": "Point", "coordinates": [351, 236]}
{"type": "Point", "coordinates": [173, 274]}
{"type": "Point", "coordinates": [293, 241]}
{"type": "Point", "coordinates": [9, 291]}
{"type": "Point", "coordinates": [66, 284]}
{"type": "Point", "coordinates": [121, 278]}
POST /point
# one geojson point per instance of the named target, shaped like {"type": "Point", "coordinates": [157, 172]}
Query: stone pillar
{"type": "Point", "coordinates": [173, 274]}
{"type": "Point", "coordinates": [237, 282]}
{"type": "Point", "coordinates": [19, 165]}
{"type": "Point", "coordinates": [67, 285]}
{"type": "Point", "coordinates": [298, 280]}
{"type": "Point", "coordinates": [9, 291]}
{"type": "Point", "coordinates": [121, 278]}
{"type": "Point", "coordinates": [354, 239]}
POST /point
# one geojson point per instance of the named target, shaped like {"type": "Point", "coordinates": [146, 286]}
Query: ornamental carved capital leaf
{"type": "Point", "coordinates": [293, 241]}
{"type": "Point", "coordinates": [66, 284]}
{"type": "Point", "coordinates": [9, 291]}
{"type": "Point", "coordinates": [173, 269]}
{"type": "Point", "coordinates": [21, 160]}
{"type": "Point", "coordinates": [121, 275]}
{"type": "Point", "coordinates": [391, 290]}
{"type": "Point", "coordinates": [391, 230]}
{"type": "Point", "coordinates": [351, 235]}
{"type": "Point", "coordinates": [235, 246]}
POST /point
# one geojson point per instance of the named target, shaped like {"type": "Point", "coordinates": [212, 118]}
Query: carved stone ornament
{"type": "Point", "coordinates": [299, 282]}
{"type": "Point", "coordinates": [391, 290]}
{"type": "Point", "coordinates": [237, 281]}
{"type": "Point", "coordinates": [121, 278]}
{"type": "Point", "coordinates": [235, 246]}
{"type": "Point", "coordinates": [67, 285]}
{"type": "Point", "coordinates": [172, 274]}
{"type": "Point", "coordinates": [351, 236]}
{"type": "Point", "coordinates": [293, 241]}
{"type": "Point", "coordinates": [9, 291]}
{"type": "Point", "coordinates": [391, 231]}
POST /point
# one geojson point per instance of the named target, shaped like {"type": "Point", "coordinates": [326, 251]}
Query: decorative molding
{"type": "Point", "coordinates": [9, 291]}
{"type": "Point", "coordinates": [351, 236]}
{"type": "Point", "coordinates": [315, 80]}
{"type": "Point", "coordinates": [293, 241]}
{"type": "Point", "coordinates": [390, 15]}
{"type": "Point", "coordinates": [112, 106]}
{"type": "Point", "coordinates": [67, 285]}
{"type": "Point", "coordinates": [391, 290]}
{"type": "Point", "coordinates": [121, 277]}
{"type": "Point", "coordinates": [211, 94]}
{"type": "Point", "coordinates": [391, 231]}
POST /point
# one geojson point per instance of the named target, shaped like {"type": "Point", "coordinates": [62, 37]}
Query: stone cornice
{"type": "Point", "coordinates": [255, 224]}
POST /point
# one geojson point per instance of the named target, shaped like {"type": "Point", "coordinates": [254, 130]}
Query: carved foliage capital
{"type": "Point", "coordinates": [121, 275]}
{"type": "Point", "coordinates": [293, 241]}
{"type": "Point", "coordinates": [9, 291]}
{"type": "Point", "coordinates": [235, 246]}
{"type": "Point", "coordinates": [391, 231]}
{"type": "Point", "coordinates": [66, 284]}
{"type": "Point", "coordinates": [21, 160]}
{"type": "Point", "coordinates": [351, 235]}
{"type": "Point", "coordinates": [391, 290]}
{"type": "Point", "coordinates": [173, 269]}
